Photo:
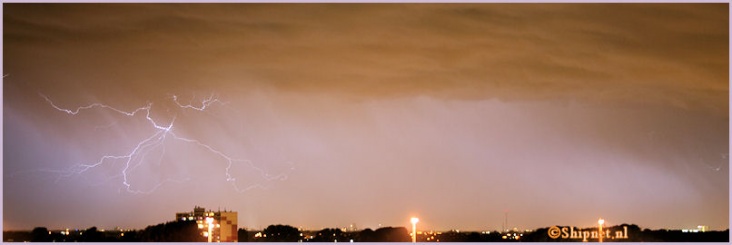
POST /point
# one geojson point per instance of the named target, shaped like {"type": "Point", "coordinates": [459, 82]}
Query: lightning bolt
{"type": "Point", "coordinates": [718, 166]}
{"type": "Point", "coordinates": [137, 156]}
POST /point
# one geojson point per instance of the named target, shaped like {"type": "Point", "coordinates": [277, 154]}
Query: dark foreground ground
{"type": "Point", "coordinates": [180, 231]}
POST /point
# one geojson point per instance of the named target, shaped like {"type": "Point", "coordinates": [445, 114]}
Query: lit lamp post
{"type": "Point", "coordinates": [600, 222]}
{"type": "Point", "coordinates": [209, 221]}
{"type": "Point", "coordinates": [414, 221]}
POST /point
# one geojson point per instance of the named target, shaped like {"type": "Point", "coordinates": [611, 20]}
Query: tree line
{"type": "Point", "coordinates": [286, 233]}
{"type": "Point", "coordinates": [176, 231]}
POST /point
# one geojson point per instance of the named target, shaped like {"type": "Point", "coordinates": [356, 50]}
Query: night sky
{"type": "Point", "coordinates": [326, 115]}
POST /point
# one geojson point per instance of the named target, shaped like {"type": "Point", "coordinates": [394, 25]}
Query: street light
{"type": "Point", "coordinates": [414, 221]}
{"type": "Point", "coordinates": [600, 222]}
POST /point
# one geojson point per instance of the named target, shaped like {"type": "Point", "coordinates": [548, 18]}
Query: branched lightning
{"type": "Point", "coordinates": [204, 104]}
{"type": "Point", "coordinates": [137, 155]}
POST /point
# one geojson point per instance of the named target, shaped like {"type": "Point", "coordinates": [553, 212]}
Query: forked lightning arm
{"type": "Point", "coordinates": [161, 133]}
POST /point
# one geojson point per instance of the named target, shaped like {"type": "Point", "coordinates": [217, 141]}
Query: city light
{"type": "Point", "coordinates": [600, 223]}
{"type": "Point", "coordinates": [414, 221]}
{"type": "Point", "coordinates": [210, 221]}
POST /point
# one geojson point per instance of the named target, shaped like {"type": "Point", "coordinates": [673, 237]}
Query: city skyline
{"type": "Point", "coordinates": [327, 115]}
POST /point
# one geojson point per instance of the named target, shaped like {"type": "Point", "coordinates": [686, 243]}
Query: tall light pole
{"type": "Point", "coordinates": [414, 221]}
{"type": "Point", "coordinates": [600, 223]}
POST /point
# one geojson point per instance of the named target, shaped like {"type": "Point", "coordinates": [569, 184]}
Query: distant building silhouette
{"type": "Point", "coordinates": [223, 227]}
